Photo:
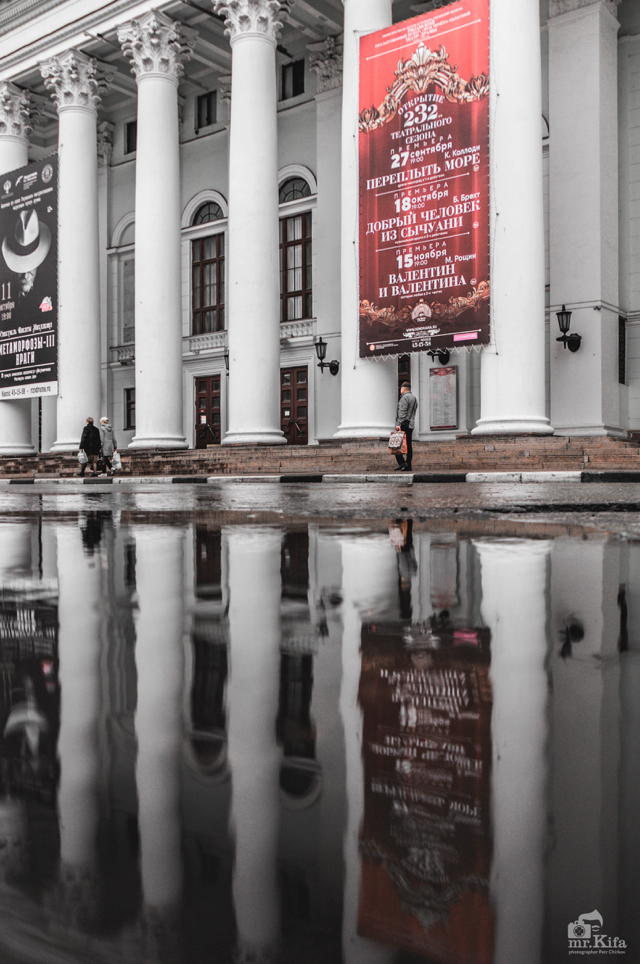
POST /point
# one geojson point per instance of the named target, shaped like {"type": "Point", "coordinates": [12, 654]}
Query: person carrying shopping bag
{"type": "Point", "coordinates": [108, 443]}
{"type": "Point", "coordinates": [405, 422]}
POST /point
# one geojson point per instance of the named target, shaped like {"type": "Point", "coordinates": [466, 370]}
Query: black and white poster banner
{"type": "Point", "coordinates": [29, 280]}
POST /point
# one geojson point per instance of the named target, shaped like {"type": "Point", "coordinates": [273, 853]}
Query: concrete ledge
{"type": "Point", "coordinates": [339, 479]}
{"type": "Point", "coordinates": [439, 477]}
{"type": "Point", "coordinates": [243, 478]}
{"type": "Point", "coordinates": [493, 477]}
{"type": "Point", "coordinates": [551, 477]}
{"type": "Point", "coordinates": [610, 476]}
{"type": "Point", "coordinates": [404, 477]}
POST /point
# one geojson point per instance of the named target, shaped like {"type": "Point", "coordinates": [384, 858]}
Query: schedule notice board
{"type": "Point", "coordinates": [424, 182]}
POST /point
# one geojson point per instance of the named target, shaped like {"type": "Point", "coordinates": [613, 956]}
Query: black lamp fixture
{"type": "Point", "coordinates": [226, 360]}
{"type": "Point", "coordinates": [572, 341]}
{"type": "Point", "coordinates": [321, 352]}
{"type": "Point", "coordinates": [443, 355]}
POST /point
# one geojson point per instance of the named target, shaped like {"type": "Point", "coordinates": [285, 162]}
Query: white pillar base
{"type": "Point", "coordinates": [15, 427]}
{"type": "Point", "coordinates": [513, 426]}
{"type": "Point", "coordinates": [254, 438]}
{"type": "Point", "coordinates": [158, 442]}
{"type": "Point", "coordinates": [364, 431]}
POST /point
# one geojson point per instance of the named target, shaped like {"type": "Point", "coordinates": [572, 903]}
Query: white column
{"type": "Point", "coordinates": [15, 416]}
{"type": "Point", "coordinates": [514, 574]}
{"type": "Point", "coordinates": [76, 83]}
{"type": "Point", "coordinates": [156, 47]}
{"type": "Point", "coordinates": [80, 646]}
{"type": "Point", "coordinates": [158, 721]}
{"type": "Point", "coordinates": [369, 388]}
{"type": "Point", "coordinates": [254, 278]}
{"type": "Point", "coordinates": [583, 229]}
{"type": "Point", "coordinates": [369, 585]}
{"type": "Point", "coordinates": [105, 150]}
{"type": "Point", "coordinates": [254, 756]}
{"type": "Point", "coordinates": [512, 373]}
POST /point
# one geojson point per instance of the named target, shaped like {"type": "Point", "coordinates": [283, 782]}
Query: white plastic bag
{"type": "Point", "coordinates": [82, 457]}
{"type": "Point", "coordinates": [116, 462]}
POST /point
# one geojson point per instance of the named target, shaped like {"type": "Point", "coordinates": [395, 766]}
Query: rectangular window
{"type": "Point", "coordinates": [207, 285]}
{"type": "Point", "coordinates": [206, 110]}
{"type": "Point", "coordinates": [296, 296]}
{"type": "Point", "coordinates": [292, 80]}
{"type": "Point", "coordinates": [129, 409]}
{"type": "Point", "coordinates": [128, 302]}
{"type": "Point", "coordinates": [131, 137]}
{"type": "Point", "coordinates": [622, 350]}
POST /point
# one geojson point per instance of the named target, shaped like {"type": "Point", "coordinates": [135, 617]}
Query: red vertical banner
{"type": "Point", "coordinates": [424, 182]}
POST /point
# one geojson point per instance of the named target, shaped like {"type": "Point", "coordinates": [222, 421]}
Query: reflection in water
{"type": "Point", "coordinates": [311, 746]}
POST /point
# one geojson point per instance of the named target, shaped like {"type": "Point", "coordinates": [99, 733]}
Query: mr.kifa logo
{"type": "Point", "coordinates": [585, 937]}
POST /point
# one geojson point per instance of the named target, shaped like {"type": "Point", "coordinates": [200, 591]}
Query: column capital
{"type": "Point", "coordinates": [252, 16]}
{"type": "Point", "coordinates": [15, 108]}
{"type": "Point", "coordinates": [326, 60]}
{"type": "Point", "coordinates": [155, 44]}
{"type": "Point", "coordinates": [75, 80]}
{"type": "Point", "coordinates": [558, 7]}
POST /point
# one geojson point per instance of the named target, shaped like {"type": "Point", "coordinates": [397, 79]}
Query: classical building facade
{"type": "Point", "coordinates": [208, 211]}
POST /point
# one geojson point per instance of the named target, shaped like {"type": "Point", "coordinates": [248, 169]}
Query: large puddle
{"type": "Point", "coordinates": [315, 744]}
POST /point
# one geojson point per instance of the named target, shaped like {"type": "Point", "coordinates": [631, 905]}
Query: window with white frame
{"type": "Point", "coordinates": [296, 273]}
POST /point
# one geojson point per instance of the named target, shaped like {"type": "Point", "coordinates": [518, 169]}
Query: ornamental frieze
{"type": "Point", "coordinates": [252, 16]}
{"type": "Point", "coordinates": [155, 44]}
{"type": "Point", "coordinates": [557, 7]}
{"type": "Point", "coordinates": [15, 108]}
{"type": "Point", "coordinates": [326, 61]}
{"type": "Point", "coordinates": [75, 80]}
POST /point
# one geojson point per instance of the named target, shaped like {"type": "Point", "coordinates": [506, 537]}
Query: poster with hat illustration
{"type": "Point", "coordinates": [29, 280]}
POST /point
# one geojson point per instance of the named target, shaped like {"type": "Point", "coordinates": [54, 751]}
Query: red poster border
{"type": "Point", "coordinates": [424, 131]}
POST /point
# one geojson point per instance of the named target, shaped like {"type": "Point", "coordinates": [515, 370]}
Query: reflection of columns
{"type": "Point", "coordinates": [254, 281]}
{"type": "Point", "coordinates": [15, 416]}
{"type": "Point", "coordinates": [369, 584]}
{"type": "Point", "coordinates": [15, 550]}
{"type": "Point", "coordinates": [512, 368]}
{"type": "Point", "coordinates": [514, 607]}
{"type": "Point", "coordinates": [79, 647]}
{"type": "Point", "coordinates": [156, 47]}
{"type": "Point", "coordinates": [158, 721]}
{"type": "Point", "coordinates": [583, 229]}
{"type": "Point", "coordinates": [585, 750]}
{"type": "Point", "coordinates": [254, 626]}
{"type": "Point", "coordinates": [369, 389]}
{"type": "Point", "coordinates": [76, 84]}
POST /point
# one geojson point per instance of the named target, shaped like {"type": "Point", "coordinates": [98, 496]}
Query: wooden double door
{"type": "Point", "coordinates": [208, 425]}
{"type": "Point", "coordinates": [294, 405]}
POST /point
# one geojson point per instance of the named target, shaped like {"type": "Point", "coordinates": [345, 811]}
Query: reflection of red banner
{"type": "Point", "coordinates": [425, 842]}
{"type": "Point", "coordinates": [424, 182]}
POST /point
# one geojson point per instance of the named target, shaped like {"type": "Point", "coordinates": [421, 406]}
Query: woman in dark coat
{"type": "Point", "coordinates": [90, 445]}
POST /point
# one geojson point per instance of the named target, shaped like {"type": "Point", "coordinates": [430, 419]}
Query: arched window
{"type": "Point", "coordinates": [208, 212]}
{"type": "Point", "coordinates": [293, 189]}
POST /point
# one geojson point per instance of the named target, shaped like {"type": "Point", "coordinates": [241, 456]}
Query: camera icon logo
{"type": "Point", "coordinates": [578, 930]}
{"type": "Point", "coordinates": [585, 927]}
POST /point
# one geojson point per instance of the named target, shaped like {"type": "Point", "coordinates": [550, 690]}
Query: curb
{"type": "Point", "coordinates": [428, 478]}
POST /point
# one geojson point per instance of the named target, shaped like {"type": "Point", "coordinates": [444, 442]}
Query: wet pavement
{"type": "Point", "coordinates": [320, 724]}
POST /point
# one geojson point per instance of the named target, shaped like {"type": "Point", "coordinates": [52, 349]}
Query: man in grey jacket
{"type": "Point", "coordinates": [405, 422]}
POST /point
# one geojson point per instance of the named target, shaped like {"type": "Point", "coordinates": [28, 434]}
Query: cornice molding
{"type": "Point", "coordinates": [15, 109]}
{"type": "Point", "coordinates": [326, 60]}
{"type": "Point", "coordinates": [558, 7]}
{"type": "Point", "coordinates": [48, 40]}
{"type": "Point", "coordinates": [252, 16]}
{"type": "Point", "coordinates": [75, 80]}
{"type": "Point", "coordinates": [155, 44]}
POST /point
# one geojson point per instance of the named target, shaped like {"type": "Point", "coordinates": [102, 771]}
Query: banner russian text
{"type": "Point", "coordinates": [424, 182]}
{"type": "Point", "coordinates": [29, 280]}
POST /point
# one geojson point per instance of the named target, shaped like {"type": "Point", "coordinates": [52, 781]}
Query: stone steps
{"type": "Point", "coordinates": [486, 454]}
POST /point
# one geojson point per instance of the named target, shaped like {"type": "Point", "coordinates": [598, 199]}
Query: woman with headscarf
{"type": "Point", "coordinates": [108, 443]}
